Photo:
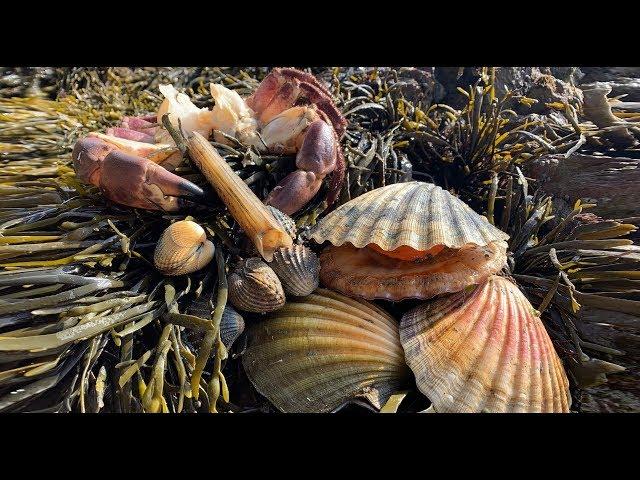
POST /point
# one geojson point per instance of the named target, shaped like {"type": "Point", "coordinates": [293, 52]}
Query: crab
{"type": "Point", "coordinates": [289, 113]}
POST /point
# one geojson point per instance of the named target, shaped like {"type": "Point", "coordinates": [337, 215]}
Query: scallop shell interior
{"type": "Point", "coordinates": [183, 248]}
{"type": "Point", "coordinates": [484, 351]}
{"type": "Point", "coordinates": [323, 350]}
{"type": "Point", "coordinates": [298, 268]}
{"type": "Point", "coordinates": [364, 273]}
{"type": "Point", "coordinates": [255, 287]}
{"type": "Point", "coordinates": [415, 214]}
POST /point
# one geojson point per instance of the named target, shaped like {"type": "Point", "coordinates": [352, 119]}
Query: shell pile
{"type": "Point", "coordinates": [320, 351]}
{"type": "Point", "coordinates": [407, 240]}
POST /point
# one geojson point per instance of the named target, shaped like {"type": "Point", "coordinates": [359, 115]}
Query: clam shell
{"type": "Point", "coordinates": [183, 248]}
{"type": "Point", "coordinates": [364, 273]}
{"type": "Point", "coordinates": [255, 287]}
{"type": "Point", "coordinates": [415, 214]}
{"type": "Point", "coordinates": [298, 268]}
{"type": "Point", "coordinates": [484, 351]}
{"type": "Point", "coordinates": [323, 350]}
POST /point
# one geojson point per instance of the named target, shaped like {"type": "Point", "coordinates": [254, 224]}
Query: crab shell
{"type": "Point", "coordinates": [407, 240]}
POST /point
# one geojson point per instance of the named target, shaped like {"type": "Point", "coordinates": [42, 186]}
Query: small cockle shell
{"type": "Point", "coordinates": [298, 268]}
{"type": "Point", "coordinates": [231, 326]}
{"type": "Point", "coordinates": [407, 240]}
{"type": "Point", "coordinates": [321, 351]}
{"type": "Point", "coordinates": [255, 287]}
{"type": "Point", "coordinates": [285, 221]}
{"type": "Point", "coordinates": [183, 248]}
{"type": "Point", "coordinates": [484, 351]}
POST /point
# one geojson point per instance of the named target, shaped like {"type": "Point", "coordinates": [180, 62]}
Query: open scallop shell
{"type": "Point", "coordinates": [484, 351]}
{"type": "Point", "coordinates": [254, 287]}
{"type": "Point", "coordinates": [298, 268]}
{"type": "Point", "coordinates": [415, 214]}
{"type": "Point", "coordinates": [183, 248]}
{"type": "Point", "coordinates": [365, 273]}
{"type": "Point", "coordinates": [323, 350]}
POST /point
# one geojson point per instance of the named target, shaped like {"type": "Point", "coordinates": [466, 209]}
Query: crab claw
{"type": "Point", "coordinates": [131, 180]}
{"type": "Point", "coordinates": [318, 156]}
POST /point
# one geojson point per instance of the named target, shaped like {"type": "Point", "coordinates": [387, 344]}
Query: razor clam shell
{"type": "Point", "coordinates": [416, 214]}
{"type": "Point", "coordinates": [484, 351]}
{"type": "Point", "coordinates": [298, 268]}
{"type": "Point", "coordinates": [364, 273]}
{"type": "Point", "coordinates": [183, 248]}
{"type": "Point", "coordinates": [255, 287]}
{"type": "Point", "coordinates": [325, 349]}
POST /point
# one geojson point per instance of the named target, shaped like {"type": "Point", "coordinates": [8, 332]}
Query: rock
{"type": "Point", "coordinates": [622, 80]}
{"type": "Point", "coordinates": [611, 182]}
{"type": "Point", "coordinates": [416, 85]}
{"type": "Point", "coordinates": [548, 89]}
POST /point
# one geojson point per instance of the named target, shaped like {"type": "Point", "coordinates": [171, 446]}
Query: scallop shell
{"type": "Point", "coordinates": [415, 214]}
{"type": "Point", "coordinates": [365, 273]}
{"type": "Point", "coordinates": [298, 268]}
{"type": "Point", "coordinates": [255, 287]}
{"type": "Point", "coordinates": [323, 350]}
{"type": "Point", "coordinates": [183, 248]}
{"type": "Point", "coordinates": [484, 351]}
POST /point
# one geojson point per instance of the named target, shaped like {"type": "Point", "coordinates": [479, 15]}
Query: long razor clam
{"type": "Point", "coordinates": [253, 216]}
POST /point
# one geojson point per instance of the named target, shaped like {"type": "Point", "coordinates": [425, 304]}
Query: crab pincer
{"type": "Point", "coordinates": [318, 156]}
{"type": "Point", "coordinates": [131, 180]}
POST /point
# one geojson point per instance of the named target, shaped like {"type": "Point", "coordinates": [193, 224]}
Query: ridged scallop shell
{"type": "Point", "coordinates": [255, 287]}
{"type": "Point", "coordinates": [298, 268]}
{"type": "Point", "coordinates": [323, 350]}
{"type": "Point", "coordinates": [484, 351]}
{"type": "Point", "coordinates": [285, 221]}
{"type": "Point", "coordinates": [364, 273]}
{"type": "Point", "coordinates": [183, 248]}
{"type": "Point", "coordinates": [415, 214]}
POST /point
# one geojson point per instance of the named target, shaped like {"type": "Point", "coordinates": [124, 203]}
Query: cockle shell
{"type": "Point", "coordinates": [285, 221]}
{"type": "Point", "coordinates": [415, 214]}
{"type": "Point", "coordinates": [183, 248]}
{"type": "Point", "coordinates": [484, 351]}
{"type": "Point", "coordinates": [298, 268]}
{"type": "Point", "coordinates": [321, 351]}
{"type": "Point", "coordinates": [231, 326]}
{"type": "Point", "coordinates": [255, 287]}
{"type": "Point", "coordinates": [407, 240]}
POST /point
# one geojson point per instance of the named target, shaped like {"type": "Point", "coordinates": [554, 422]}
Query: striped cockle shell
{"type": "Point", "coordinates": [414, 214]}
{"type": "Point", "coordinates": [231, 326]}
{"type": "Point", "coordinates": [285, 221]}
{"type": "Point", "coordinates": [298, 268]}
{"type": "Point", "coordinates": [183, 248]}
{"type": "Point", "coordinates": [321, 351]}
{"type": "Point", "coordinates": [484, 351]}
{"type": "Point", "coordinates": [255, 287]}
